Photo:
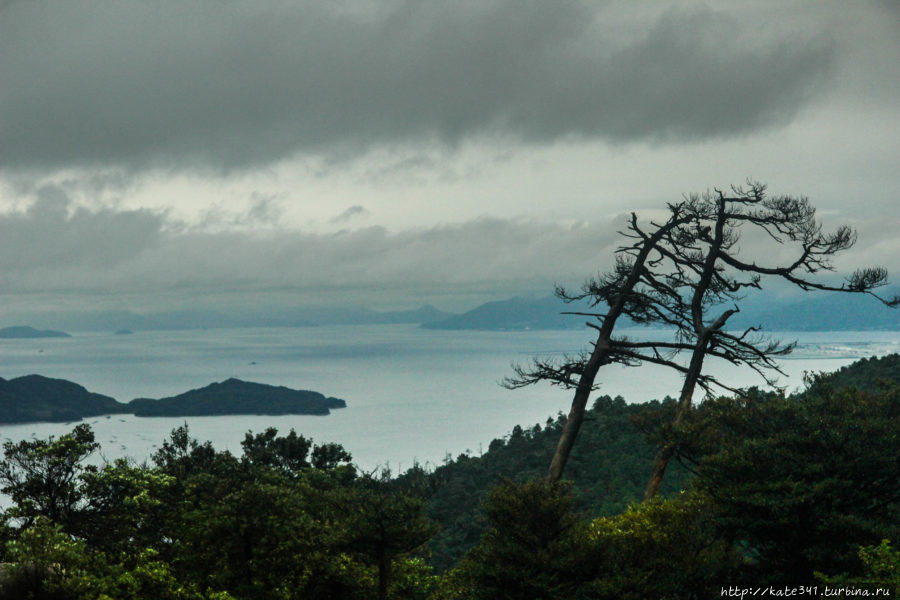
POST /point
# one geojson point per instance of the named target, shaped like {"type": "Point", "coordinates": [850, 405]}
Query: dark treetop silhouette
{"type": "Point", "coordinates": [681, 274]}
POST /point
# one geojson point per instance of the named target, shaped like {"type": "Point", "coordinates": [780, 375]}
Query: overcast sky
{"type": "Point", "coordinates": [204, 152]}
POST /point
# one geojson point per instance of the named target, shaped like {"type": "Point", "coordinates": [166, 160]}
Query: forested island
{"type": "Point", "coordinates": [26, 332]}
{"type": "Point", "coordinates": [768, 491]}
{"type": "Point", "coordinates": [236, 397]}
{"type": "Point", "coordinates": [35, 398]}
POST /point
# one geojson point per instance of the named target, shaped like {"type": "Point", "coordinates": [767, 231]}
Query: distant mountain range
{"type": "Point", "coordinates": [820, 312]}
{"type": "Point", "coordinates": [35, 398]}
{"type": "Point", "coordinates": [813, 312]}
{"type": "Point", "coordinates": [514, 314]}
{"type": "Point", "coordinates": [121, 320]}
{"type": "Point", "coordinates": [808, 312]}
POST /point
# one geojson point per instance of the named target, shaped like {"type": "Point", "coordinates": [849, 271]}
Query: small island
{"type": "Point", "coordinates": [124, 332]}
{"type": "Point", "coordinates": [34, 398]}
{"type": "Point", "coordinates": [26, 332]}
{"type": "Point", "coordinates": [236, 397]}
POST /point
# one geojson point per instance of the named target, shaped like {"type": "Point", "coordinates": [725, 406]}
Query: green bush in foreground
{"type": "Point", "coordinates": [881, 570]}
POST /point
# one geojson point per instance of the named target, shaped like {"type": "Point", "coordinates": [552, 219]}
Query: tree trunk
{"type": "Point", "coordinates": [569, 433]}
{"type": "Point", "coordinates": [659, 470]}
{"type": "Point", "coordinates": [384, 573]}
{"type": "Point", "coordinates": [602, 349]}
{"type": "Point", "coordinates": [576, 413]}
{"type": "Point", "coordinates": [666, 453]}
{"type": "Point", "coordinates": [701, 346]}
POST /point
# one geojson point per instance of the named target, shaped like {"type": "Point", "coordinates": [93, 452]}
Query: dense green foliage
{"type": "Point", "coordinates": [868, 374]}
{"type": "Point", "coordinates": [608, 468]}
{"type": "Point", "coordinates": [284, 520]}
{"type": "Point", "coordinates": [881, 568]}
{"type": "Point", "coordinates": [537, 547]}
{"type": "Point", "coordinates": [829, 447]}
{"type": "Point", "coordinates": [800, 490]}
{"type": "Point", "coordinates": [534, 546]}
{"type": "Point", "coordinates": [803, 482]}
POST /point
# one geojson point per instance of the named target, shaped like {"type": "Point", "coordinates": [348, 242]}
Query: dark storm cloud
{"type": "Point", "coordinates": [210, 84]}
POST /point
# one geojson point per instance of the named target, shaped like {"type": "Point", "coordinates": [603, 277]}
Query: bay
{"type": "Point", "coordinates": [413, 395]}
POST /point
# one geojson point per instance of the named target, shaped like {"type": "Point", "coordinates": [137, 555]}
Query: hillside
{"type": "Point", "coordinates": [867, 374]}
{"type": "Point", "coordinates": [609, 465]}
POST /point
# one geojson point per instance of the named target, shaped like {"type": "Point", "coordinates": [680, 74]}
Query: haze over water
{"type": "Point", "coordinates": [412, 394]}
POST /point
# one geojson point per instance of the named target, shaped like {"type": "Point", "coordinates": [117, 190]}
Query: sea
{"type": "Point", "coordinates": [413, 395]}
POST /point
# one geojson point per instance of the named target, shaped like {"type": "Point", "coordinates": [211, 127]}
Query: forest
{"type": "Point", "coordinates": [766, 490]}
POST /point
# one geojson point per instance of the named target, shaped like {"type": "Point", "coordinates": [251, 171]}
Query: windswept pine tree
{"type": "Point", "coordinates": [687, 275]}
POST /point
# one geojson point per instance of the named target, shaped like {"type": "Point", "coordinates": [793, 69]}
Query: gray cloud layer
{"type": "Point", "coordinates": [51, 238]}
{"type": "Point", "coordinates": [69, 253]}
{"type": "Point", "coordinates": [54, 248]}
{"type": "Point", "coordinates": [211, 84]}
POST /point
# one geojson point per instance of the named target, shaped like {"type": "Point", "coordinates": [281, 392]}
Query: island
{"type": "Point", "coordinates": [514, 314]}
{"type": "Point", "coordinates": [26, 332]}
{"type": "Point", "coordinates": [124, 332]}
{"type": "Point", "coordinates": [236, 397]}
{"type": "Point", "coordinates": [34, 398]}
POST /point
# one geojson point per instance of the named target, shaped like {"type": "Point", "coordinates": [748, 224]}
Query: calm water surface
{"type": "Point", "coordinates": [412, 394]}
